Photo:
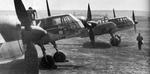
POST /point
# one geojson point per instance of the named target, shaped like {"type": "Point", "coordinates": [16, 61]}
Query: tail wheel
{"type": "Point", "coordinates": [115, 41]}
{"type": "Point", "coordinates": [59, 57]}
{"type": "Point", "coordinates": [47, 62]}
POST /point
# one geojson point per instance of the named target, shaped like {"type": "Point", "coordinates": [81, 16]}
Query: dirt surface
{"type": "Point", "coordinates": [104, 58]}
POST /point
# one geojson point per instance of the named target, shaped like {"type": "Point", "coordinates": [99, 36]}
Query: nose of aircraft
{"type": "Point", "coordinates": [35, 34]}
{"type": "Point", "coordinates": [84, 22]}
{"type": "Point", "coordinates": [133, 23]}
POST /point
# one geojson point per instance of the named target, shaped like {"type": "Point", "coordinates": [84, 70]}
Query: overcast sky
{"type": "Point", "coordinates": [80, 4]}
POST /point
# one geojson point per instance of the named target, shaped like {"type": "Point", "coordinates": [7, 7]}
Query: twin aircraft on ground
{"type": "Point", "coordinates": [52, 28]}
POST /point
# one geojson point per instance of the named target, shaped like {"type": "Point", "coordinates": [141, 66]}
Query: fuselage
{"type": "Point", "coordinates": [123, 23]}
{"type": "Point", "coordinates": [106, 26]}
{"type": "Point", "coordinates": [63, 26]}
{"type": "Point", "coordinates": [66, 26]}
{"type": "Point", "coordinates": [57, 27]}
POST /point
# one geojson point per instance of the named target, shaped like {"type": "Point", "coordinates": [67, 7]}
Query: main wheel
{"type": "Point", "coordinates": [115, 41]}
{"type": "Point", "coordinates": [59, 57]}
{"type": "Point", "coordinates": [47, 62]}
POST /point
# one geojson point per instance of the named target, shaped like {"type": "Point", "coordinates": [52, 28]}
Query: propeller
{"type": "Point", "coordinates": [30, 53]}
{"type": "Point", "coordinates": [86, 21]}
{"type": "Point", "coordinates": [88, 24]}
{"type": "Point", "coordinates": [114, 13]}
{"type": "Point", "coordinates": [48, 10]}
{"type": "Point", "coordinates": [90, 27]}
{"type": "Point", "coordinates": [134, 20]}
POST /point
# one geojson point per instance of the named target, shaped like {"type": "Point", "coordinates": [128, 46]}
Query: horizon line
{"type": "Point", "coordinates": [78, 10]}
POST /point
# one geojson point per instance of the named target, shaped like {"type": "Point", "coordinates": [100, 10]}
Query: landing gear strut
{"type": "Point", "coordinates": [48, 61]}
{"type": "Point", "coordinates": [115, 40]}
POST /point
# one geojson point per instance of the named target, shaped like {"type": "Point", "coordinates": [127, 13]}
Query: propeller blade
{"type": "Point", "coordinates": [114, 13]}
{"type": "Point", "coordinates": [22, 13]}
{"type": "Point", "coordinates": [89, 15]}
{"type": "Point", "coordinates": [48, 10]}
{"type": "Point", "coordinates": [133, 18]}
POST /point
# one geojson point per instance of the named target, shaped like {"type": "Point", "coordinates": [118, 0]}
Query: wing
{"type": "Point", "coordinates": [11, 50]}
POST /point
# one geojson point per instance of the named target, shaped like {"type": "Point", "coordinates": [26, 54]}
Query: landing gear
{"type": "Point", "coordinates": [115, 40]}
{"type": "Point", "coordinates": [58, 56]}
{"type": "Point", "coordinates": [47, 61]}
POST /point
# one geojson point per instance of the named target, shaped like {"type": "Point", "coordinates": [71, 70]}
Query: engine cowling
{"type": "Point", "coordinates": [35, 34]}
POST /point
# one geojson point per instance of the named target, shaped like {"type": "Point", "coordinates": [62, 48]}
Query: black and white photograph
{"type": "Point", "coordinates": [74, 37]}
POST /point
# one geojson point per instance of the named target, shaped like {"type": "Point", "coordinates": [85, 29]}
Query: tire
{"type": "Point", "coordinates": [59, 57]}
{"type": "Point", "coordinates": [47, 63]}
{"type": "Point", "coordinates": [114, 42]}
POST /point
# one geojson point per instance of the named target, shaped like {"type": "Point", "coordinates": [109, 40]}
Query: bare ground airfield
{"type": "Point", "coordinates": [103, 59]}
